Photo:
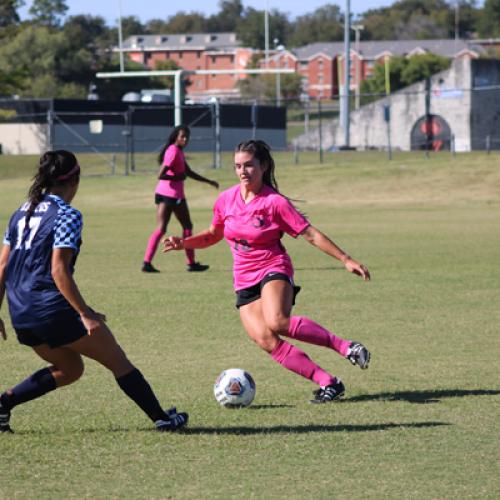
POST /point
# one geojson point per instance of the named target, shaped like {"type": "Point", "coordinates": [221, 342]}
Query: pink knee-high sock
{"type": "Point", "coordinates": [154, 239]}
{"type": "Point", "coordinates": [295, 360]}
{"type": "Point", "coordinates": [189, 252]}
{"type": "Point", "coordinates": [306, 330]}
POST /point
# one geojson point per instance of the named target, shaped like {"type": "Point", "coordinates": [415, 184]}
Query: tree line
{"type": "Point", "coordinates": [54, 55]}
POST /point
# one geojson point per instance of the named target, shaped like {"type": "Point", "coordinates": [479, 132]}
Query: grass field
{"type": "Point", "coordinates": [421, 423]}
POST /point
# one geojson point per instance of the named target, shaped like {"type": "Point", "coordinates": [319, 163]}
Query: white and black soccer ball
{"type": "Point", "coordinates": [234, 388]}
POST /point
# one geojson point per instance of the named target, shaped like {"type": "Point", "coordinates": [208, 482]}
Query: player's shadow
{"type": "Point", "coordinates": [267, 407]}
{"type": "Point", "coordinates": [421, 397]}
{"type": "Point", "coordinates": [306, 429]}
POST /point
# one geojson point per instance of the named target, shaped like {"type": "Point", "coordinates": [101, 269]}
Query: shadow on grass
{"type": "Point", "coordinates": [305, 429]}
{"type": "Point", "coordinates": [422, 397]}
{"type": "Point", "coordinates": [276, 429]}
{"type": "Point", "coordinates": [267, 407]}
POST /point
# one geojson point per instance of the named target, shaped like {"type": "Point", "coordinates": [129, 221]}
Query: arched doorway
{"type": "Point", "coordinates": [431, 132]}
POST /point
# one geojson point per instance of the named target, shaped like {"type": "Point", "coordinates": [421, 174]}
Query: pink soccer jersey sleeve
{"type": "Point", "coordinates": [169, 157]}
{"type": "Point", "coordinates": [218, 217]}
{"type": "Point", "coordinates": [289, 219]}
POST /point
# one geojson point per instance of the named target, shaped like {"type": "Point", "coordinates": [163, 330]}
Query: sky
{"type": "Point", "coordinates": [151, 9]}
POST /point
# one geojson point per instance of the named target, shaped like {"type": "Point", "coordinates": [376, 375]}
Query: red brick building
{"type": "Point", "coordinates": [320, 64]}
{"type": "Point", "coordinates": [199, 51]}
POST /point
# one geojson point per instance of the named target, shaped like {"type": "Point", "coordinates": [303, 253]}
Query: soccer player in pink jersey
{"type": "Point", "coordinates": [169, 196]}
{"type": "Point", "coordinates": [253, 216]}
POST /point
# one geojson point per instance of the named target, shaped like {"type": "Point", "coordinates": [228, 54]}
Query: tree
{"type": "Point", "coordinates": [410, 19]}
{"type": "Point", "coordinates": [489, 19]}
{"type": "Point", "coordinates": [250, 28]}
{"type": "Point", "coordinates": [403, 71]}
{"type": "Point", "coordinates": [231, 12]}
{"type": "Point", "coordinates": [8, 12]}
{"type": "Point", "coordinates": [325, 24]}
{"type": "Point", "coordinates": [167, 65]}
{"type": "Point", "coordinates": [193, 22]}
{"type": "Point", "coordinates": [48, 12]}
{"type": "Point", "coordinates": [131, 26]}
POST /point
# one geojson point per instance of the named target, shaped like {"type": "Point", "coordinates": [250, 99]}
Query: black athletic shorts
{"type": "Point", "coordinates": [64, 329]}
{"type": "Point", "coordinates": [170, 202]}
{"type": "Point", "coordinates": [252, 293]}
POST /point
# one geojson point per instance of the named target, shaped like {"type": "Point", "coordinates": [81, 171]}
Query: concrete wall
{"type": "Point", "coordinates": [23, 138]}
{"type": "Point", "coordinates": [369, 130]}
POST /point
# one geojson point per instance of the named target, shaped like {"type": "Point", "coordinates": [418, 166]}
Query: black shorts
{"type": "Point", "coordinates": [252, 293]}
{"type": "Point", "coordinates": [170, 202]}
{"type": "Point", "coordinates": [64, 329]}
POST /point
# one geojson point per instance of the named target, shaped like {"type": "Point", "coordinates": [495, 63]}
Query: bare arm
{"type": "Point", "coordinates": [319, 240]}
{"type": "Point", "coordinates": [205, 239]}
{"type": "Point", "coordinates": [60, 263]}
{"type": "Point", "coordinates": [163, 176]}
{"type": "Point", "coordinates": [197, 177]}
{"type": "Point", "coordinates": [4, 257]}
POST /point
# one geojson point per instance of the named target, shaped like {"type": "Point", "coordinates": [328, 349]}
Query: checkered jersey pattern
{"type": "Point", "coordinates": [67, 227]}
{"type": "Point", "coordinates": [6, 237]}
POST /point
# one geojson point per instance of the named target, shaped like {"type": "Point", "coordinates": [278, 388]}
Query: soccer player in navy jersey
{"type": "Point", "coordinates": [48, 312]}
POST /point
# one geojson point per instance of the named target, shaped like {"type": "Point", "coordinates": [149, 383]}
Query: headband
{"type": "Point", "coordinates": [75, 170]}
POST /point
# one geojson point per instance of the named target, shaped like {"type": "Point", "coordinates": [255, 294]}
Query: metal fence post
{"type": "Point", "coordinates": [452, 145]}
{"type": "Point", "coordinates": [217, 133]}
{"type": "Point", "coordinates": [130, 112]}
{"type": "Point", "coordinates": [320, 132]}
{"type": "Point", "coordinates": [50, 129]}
{"type": "Point", "coordinates": [126, 133]}
{"type": "Point", "coordinates": [488, 144]}
{"type": "Point", "coordinates": [253, 119]}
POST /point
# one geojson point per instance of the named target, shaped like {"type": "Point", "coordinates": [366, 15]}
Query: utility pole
{"type": "Point", "coordinates": [120, 35]}
{"type": "Point", "coordinates": [266, 33]}
{"type": "Point", "coordinates": [457, 20]}
{"type": "Point", "coordinates": [347, 69]}
{"type": "Point", "coordinates": [357, 29]}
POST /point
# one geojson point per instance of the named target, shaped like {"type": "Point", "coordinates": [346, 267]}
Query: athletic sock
{"type": "Point", "coordinates": [36, 385]}
{"type": "Point", "coordinates": [154, 239]}
{"type": "Point", "coordinates": [306, 330]}
{"type": "Point", "coordinates": [189, 251]}
{"type": "Point", "coordinates": [136, 387]}
{"type": "Point", "coordinates": [297, 361]}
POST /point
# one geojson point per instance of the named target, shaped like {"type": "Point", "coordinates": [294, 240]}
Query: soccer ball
{"type": "Point", "coordinates": [234, 388]}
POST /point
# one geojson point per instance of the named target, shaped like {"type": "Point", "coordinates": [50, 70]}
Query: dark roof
{"type": "Point", "coordinates": [372, 49]}
{"type": "Point", "coordinates": [196, 41]}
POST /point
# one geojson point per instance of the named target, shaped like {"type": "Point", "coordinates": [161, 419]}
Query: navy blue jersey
{"type": "Point", "coordinates": [33, 297]}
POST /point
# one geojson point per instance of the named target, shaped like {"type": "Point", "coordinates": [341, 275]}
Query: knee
{"type": "Point", "coordinates": [71, 373]}
{"type": "Point", "coordinates": [278, 325]}
{"type": "Point", "coordinates": [267, 343]}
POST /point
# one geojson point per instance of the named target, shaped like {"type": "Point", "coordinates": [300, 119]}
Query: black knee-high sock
{"type": "Point", "coordinates": [33, 387]}
{"type": "Point", "coordinates": [135, 386]}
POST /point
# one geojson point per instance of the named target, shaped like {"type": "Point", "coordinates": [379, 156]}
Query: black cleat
{"type": "Point", "coordinates": [4, 420]}
{"type": "Point", "coordinates": [329, 393]}
{"type": "Point", "coordinates": [147, 267]}
{"type": "Point", "coordinates": [359, 355]}
{"type": "Point", "coordinates": [197, 267]}
{"type": "Point", "coordinates": [173, 421]}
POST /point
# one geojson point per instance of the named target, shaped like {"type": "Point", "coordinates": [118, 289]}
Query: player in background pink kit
{"type": "Point", "coordinates": [169, 196]}
{"type": "Point", "coordinates": [252, 216]}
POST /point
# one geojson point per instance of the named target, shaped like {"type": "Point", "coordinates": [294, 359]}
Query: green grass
{"type": "Point", "coordinates": [422, 422]}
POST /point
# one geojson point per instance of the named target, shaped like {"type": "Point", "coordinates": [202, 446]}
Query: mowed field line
{"type": "Point", "coordinates": [422, 422]}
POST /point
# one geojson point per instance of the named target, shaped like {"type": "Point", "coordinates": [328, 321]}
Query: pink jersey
{"type": "Point", "coordinates": [174, 158]}
{"type": "Point", "coordinates": [254, 230]}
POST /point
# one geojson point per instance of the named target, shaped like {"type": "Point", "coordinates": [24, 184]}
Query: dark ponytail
{"type": "Point", "coordinates": [55, 168]}
{"type": "Point", "coordinates": [171, 140]}
{"type": "Point", "coordinates": [260, 150]}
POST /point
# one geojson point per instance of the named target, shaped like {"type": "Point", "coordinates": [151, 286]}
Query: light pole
{"type": "Point", "coordinates": [120, 35]}
{"type": "Point", "coordinates": [457, 20]}
{"type": "Point", "coordinates": [357, 29]}
{"type": "Point", "coordinates": [279, 49]}
{"type": "Point", "coordinates": [347, 69]}
{"type": "Point", "coordinates": [266, 33]}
